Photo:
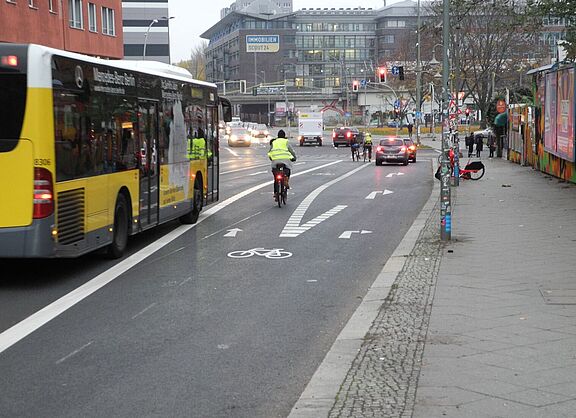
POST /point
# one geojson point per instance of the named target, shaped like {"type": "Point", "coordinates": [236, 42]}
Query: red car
{"type": "Point", "coordinates": [344, 135]}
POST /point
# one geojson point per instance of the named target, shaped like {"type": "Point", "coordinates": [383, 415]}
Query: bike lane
{"type": "Point", "coordinates": [205, 332]}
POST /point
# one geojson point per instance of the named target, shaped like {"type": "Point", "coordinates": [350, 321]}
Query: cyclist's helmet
{"type": "Point", "coordinates": [281, 134]}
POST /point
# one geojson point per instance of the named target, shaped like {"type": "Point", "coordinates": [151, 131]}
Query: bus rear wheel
{"type": "Point", "coordinates": [197, 204]}
{"type": "Point", "coordinates": [121, 225]}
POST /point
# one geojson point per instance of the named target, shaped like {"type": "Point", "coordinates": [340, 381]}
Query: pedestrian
{"type": "Point", "coordinates": [479, 145]}
{"type": "Point", "coordinates": [410, 126]}
{"type": "Point", "coordinates": [491, 144]}
{"type": "Point", "coordinates": [469, 141]}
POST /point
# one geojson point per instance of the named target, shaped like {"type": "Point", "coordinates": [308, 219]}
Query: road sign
{"type": "Point", "coordinates": [397, 103]}
{"type": "Point", "coordinates": [395, 70]}
{"type": "Point", "coordinates": [262, 43]}
{"type": "Point", "coordinates": [363, 82]}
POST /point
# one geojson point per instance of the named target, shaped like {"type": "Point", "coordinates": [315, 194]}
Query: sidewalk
{"type": "Point", "coordinates": [483, 325]}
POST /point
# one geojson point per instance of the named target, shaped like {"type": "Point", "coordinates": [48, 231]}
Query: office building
{"type": "Point", "coordinates": [146, 27]}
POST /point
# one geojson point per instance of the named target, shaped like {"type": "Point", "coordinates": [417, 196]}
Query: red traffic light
{"type": "Point", "coordinates": [382, 71]}
{"type": "Point", "coordinates": [355, 85]}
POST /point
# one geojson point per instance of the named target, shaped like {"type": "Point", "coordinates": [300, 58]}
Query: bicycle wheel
{"type": "Point", "coordinates": [284, 194]}
{"type": "Point", "coordinates": [364, 154]}
{"type": "Point", "coordinates": [279, 187]}
{"type": "Point", "coordinates": [476, 174]}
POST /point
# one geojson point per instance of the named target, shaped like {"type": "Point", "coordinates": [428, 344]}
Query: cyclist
{"type": "Point", "coordinates": [367, 145]}
{"type": "Point", "coordinates": [281, 152]}
{"type": "Point", "coordinates": [354, 147]}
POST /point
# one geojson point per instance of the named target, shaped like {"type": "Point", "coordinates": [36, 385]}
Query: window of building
{"type": "Point", "coordinates": [108, 21]}
{"type": "Point", "coordinates": [51, 6]}
{"type": "Point", "coordinates": [32, 4]}
{"type": "Point", "coordinates": [92, 27]}
{"type": "Point", "coordinates": [388, 39]}
{"type": "Point", "coordinates": [75, 11]}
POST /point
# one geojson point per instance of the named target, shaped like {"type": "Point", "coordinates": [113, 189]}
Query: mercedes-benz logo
{"type": "Point", "coordinates": [79, 76]}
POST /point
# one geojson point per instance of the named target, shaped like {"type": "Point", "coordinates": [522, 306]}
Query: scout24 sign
{"type": "Point", "coordinates": [262, 43]}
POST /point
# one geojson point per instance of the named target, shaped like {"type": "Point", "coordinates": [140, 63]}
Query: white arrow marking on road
{"type": "Point", "coordinates": [232, 232]}
{"type": "Point", "coordinates": [395, 174]}
{"type": "Point", "coordinates": [293, 228]}
{"type": "Point", "coordinates": [372, 195]}
{"type": "Point", "coordinates": [348, 234]}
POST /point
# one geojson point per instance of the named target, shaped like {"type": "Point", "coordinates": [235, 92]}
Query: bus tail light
{"type": "Point", "coordinates": [9, 60]}
{"type": "Point", "coordinates": [43, 193]}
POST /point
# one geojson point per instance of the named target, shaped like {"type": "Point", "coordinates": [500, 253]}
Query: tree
{"type": "Point", "coordinates": [563, 10]}
{"type": "Point", "coordinates": [489, 40]}
{"type": "Point", "coordinates": [197, 62]}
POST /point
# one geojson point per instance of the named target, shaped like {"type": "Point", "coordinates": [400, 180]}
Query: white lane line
{"type": "Point", "coordinates": [30, 324]}
{"type": "Point", "coordinates": [73, 353]}
{"type": "Point", "coordinates": [144, 310]}
{"type": "Point", "coordinates": [293, 226]}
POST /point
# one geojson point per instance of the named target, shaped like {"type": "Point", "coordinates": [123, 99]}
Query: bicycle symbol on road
{"type": "Point", "coordinates": [262, 252]}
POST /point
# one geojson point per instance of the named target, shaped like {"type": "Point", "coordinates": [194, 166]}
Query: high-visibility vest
{"type": "Point", "coordinates": [279, 150]}
{"type": "Point", "coordinates": [196, 148]}
{"type": "Point", "coordinates": [368, 139]}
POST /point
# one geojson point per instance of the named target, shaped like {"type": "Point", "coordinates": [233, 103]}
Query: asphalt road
{"type": "Point", "coordinates": [181, 327]}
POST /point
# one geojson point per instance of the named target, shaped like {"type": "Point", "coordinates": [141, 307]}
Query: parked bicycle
{"type": "Point", "coordinates": [473, 170]}
{"type": "Point", "coordinates": [280, 190]}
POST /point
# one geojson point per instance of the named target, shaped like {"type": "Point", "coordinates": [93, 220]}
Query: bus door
{"type": "Point", "coordinates": [149, 173]}
{"type": "Point", "coordinates": [213, 154]}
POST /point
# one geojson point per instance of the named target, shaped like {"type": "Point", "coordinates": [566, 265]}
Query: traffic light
{"type": "Point", "coordinates": [355, 85]}
{"type": "Point", "coordinates": [467, 111]}
{"type": "Point", "coordinates": [401, 72]}
{"type": "Point", "coordinates": [382, 73]}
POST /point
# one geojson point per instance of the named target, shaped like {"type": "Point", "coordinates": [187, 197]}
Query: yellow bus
{"type": "Point", "coordinates": [93, 151]}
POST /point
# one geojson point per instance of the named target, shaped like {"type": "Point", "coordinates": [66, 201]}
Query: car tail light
{"type": "Point", "coordinates": [333, 134]}
{"type": "Point", "coordinates": [43, 193]}
{"type": "Point", "coordinates": [412, 147]}
{"type": "Point", "coordinates": [348, 134]}
{"type": "Point", "coordinates": [378, 149]}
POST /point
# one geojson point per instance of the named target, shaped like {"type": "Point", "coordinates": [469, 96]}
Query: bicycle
{"type": "Point", "coordinates": [474, 170]}
{"type": "Point", "coordinates": [355, 152]}
{"type": "Point", "coordinates": [280, 191]}
{"type": "Point", "coordinates": [367, 153]}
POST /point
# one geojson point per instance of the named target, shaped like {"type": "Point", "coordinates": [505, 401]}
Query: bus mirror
{"type": "Point", "coordinates": [226, 109]}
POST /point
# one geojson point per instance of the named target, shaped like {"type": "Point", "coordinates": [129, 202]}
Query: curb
{"type": "Point", "coordinates": [320, 393]}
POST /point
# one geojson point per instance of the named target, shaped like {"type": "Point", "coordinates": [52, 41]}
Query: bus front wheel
{"type": "Point", "coordinates": [121, 224]}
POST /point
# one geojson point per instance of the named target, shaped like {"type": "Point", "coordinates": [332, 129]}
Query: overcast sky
{"type": "Point", "coordinates": [194, 17]}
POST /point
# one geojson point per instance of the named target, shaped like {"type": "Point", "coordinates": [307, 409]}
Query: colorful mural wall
{"type": "Point", "coordinates": [547, 129]}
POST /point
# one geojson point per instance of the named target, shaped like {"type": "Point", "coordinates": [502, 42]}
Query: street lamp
{"type": "Point", "coordinates": [154, 21]}
{"type": "Point", "coordinates": [418, 78]}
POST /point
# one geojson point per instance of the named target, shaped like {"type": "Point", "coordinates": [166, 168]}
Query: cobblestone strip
{"type": "Point", "coordinates": [383, 378]}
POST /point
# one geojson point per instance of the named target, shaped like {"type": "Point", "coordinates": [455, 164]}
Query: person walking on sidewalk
{"type": "Point", "coordinates": [479, 146]}
{"type": "Point", "coordinates": [469, 141]}
{"type": "Point", "coordinates": [491, 144]}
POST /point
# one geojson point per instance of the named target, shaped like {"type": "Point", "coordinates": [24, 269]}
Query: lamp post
{"type": "Point", "coordinates": [418, 77]}
{"type": "Point", "coordinates": [148, 31]}
{"type": "Point", "coordinates": [445, 199]}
